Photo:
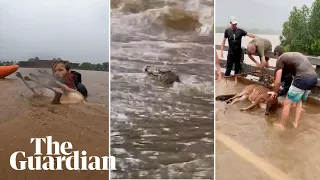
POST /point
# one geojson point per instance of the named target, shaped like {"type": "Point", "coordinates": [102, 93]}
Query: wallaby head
{"type": "Point", "coordinates": [272, 104]}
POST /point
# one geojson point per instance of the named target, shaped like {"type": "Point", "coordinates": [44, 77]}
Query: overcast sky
{"type": "Point", "coordinates": [75, 30]}
{"type": "Point", "coordinates": [260, 14]}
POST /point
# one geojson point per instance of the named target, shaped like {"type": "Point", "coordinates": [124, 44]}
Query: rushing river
{"type": "Point", "coordinates": [159, 131]}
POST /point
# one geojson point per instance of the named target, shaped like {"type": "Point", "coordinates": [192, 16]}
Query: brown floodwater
{"type": "Point", "coordinates": [248, 147]}
{"type": "Point", "coordinates": [156, 131]}
{"type": "Point", "coordinates": [23, 117]}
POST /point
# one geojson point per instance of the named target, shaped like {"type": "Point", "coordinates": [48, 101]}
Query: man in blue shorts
{"type": "Point", "coordinates": [305, 79]}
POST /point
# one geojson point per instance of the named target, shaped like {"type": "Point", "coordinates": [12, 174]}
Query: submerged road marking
{"type": "Point", "coordinates": [272, 171]}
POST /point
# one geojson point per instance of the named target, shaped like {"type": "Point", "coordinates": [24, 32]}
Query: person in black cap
{"type": "Point", "coordinates": [234, 36]}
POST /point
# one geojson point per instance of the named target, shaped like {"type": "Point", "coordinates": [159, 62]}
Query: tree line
{"type": "Point", "coordinates": [94, 67]}
{"type": "Point", "coordinates": [82, 66]}
{"type": "Point", "coordinates": [301, 32]}
{"type": "Point", "coordinates": [7, 63]}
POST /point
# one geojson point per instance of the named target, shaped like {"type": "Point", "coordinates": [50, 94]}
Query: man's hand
{"type": "Point", "coordinates": [218, 75]}
{"type": "Point", "coordinates": [65, 88]}
{"type": "Point", "coordinates": [258, 66]}
{"type": "Point", "coordinates": [57, 90]}
{"type": "Point", "coordinates": [273, 94]}
{"type": "Point", "coordinates": [256, 62]}
{"type": "Point", "coordinates": [264, 63]}
{"type": "Point", "coordinates": [267, 65]}
{"type": "Point", "coordinates": [251, 35]}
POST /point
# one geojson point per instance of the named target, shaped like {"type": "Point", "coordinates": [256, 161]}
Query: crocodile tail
{"type": "Point", "coordinates": [224, 97]}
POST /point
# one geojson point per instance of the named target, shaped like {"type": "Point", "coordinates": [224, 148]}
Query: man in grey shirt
{"type": "Point", "coordinates": [260, 46]}
{"type": "Point", "coordinates": [305, 79]}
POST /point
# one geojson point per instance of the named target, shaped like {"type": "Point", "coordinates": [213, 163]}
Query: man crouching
{"type": "Point", "coordinates": [305, 79]}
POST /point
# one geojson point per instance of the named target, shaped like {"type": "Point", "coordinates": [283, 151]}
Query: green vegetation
{"type": "Point", "coordinates": [94, 67]}
{"type": "Point", "coordinates": [6, 63]}
{"type": "Point", "coordinates": [301, 31]}
{"type": "Point", "coordinates": [36, 62]}
{"type": "Point", "coordinates": [253, 30]}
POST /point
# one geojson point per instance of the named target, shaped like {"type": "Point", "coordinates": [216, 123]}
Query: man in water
{"type": "Point", "coordinates": [234, 36]}
{"type": "Point", "coordinates": [261, 46]}
{"type": "Point", "coordinates": [72, 79]}
{"type": "Point", "coordinates": [305, 79]}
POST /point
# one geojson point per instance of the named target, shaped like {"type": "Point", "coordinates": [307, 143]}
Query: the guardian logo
{"type": "Point", "coordinates": [59, 157]}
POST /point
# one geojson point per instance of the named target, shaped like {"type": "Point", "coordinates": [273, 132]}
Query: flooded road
{"type": "Point", "coordinates": [23, 116]}
{"type": "Point", "coordinates": [159, 131]}
{"type": "Point", "coordinates": [257, 150]}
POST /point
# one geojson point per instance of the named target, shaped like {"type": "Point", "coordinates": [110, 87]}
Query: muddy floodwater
{"type": "Point", "coordinates": [249, 146]}
{"type": "Point", "coordinates": [23, 116]}
{"type": "Point", "coordinates": [159, 131]}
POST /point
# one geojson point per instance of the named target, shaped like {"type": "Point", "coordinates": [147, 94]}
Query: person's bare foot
{"type": "Point", "coordinates": [295, 124]}
{"type": "Point", "coordinates": [278, 126]}
{"type": "Point", "coordinates": [235, 81]}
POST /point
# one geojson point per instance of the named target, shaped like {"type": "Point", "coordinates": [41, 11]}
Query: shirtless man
{"type": "Point", "coordinates": [305, 79]}
{"type": "Point", "coordinates": [261, 46]}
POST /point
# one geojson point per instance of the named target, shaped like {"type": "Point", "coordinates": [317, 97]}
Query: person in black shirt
{"type": "Point", "coordinates": [234, 36]}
